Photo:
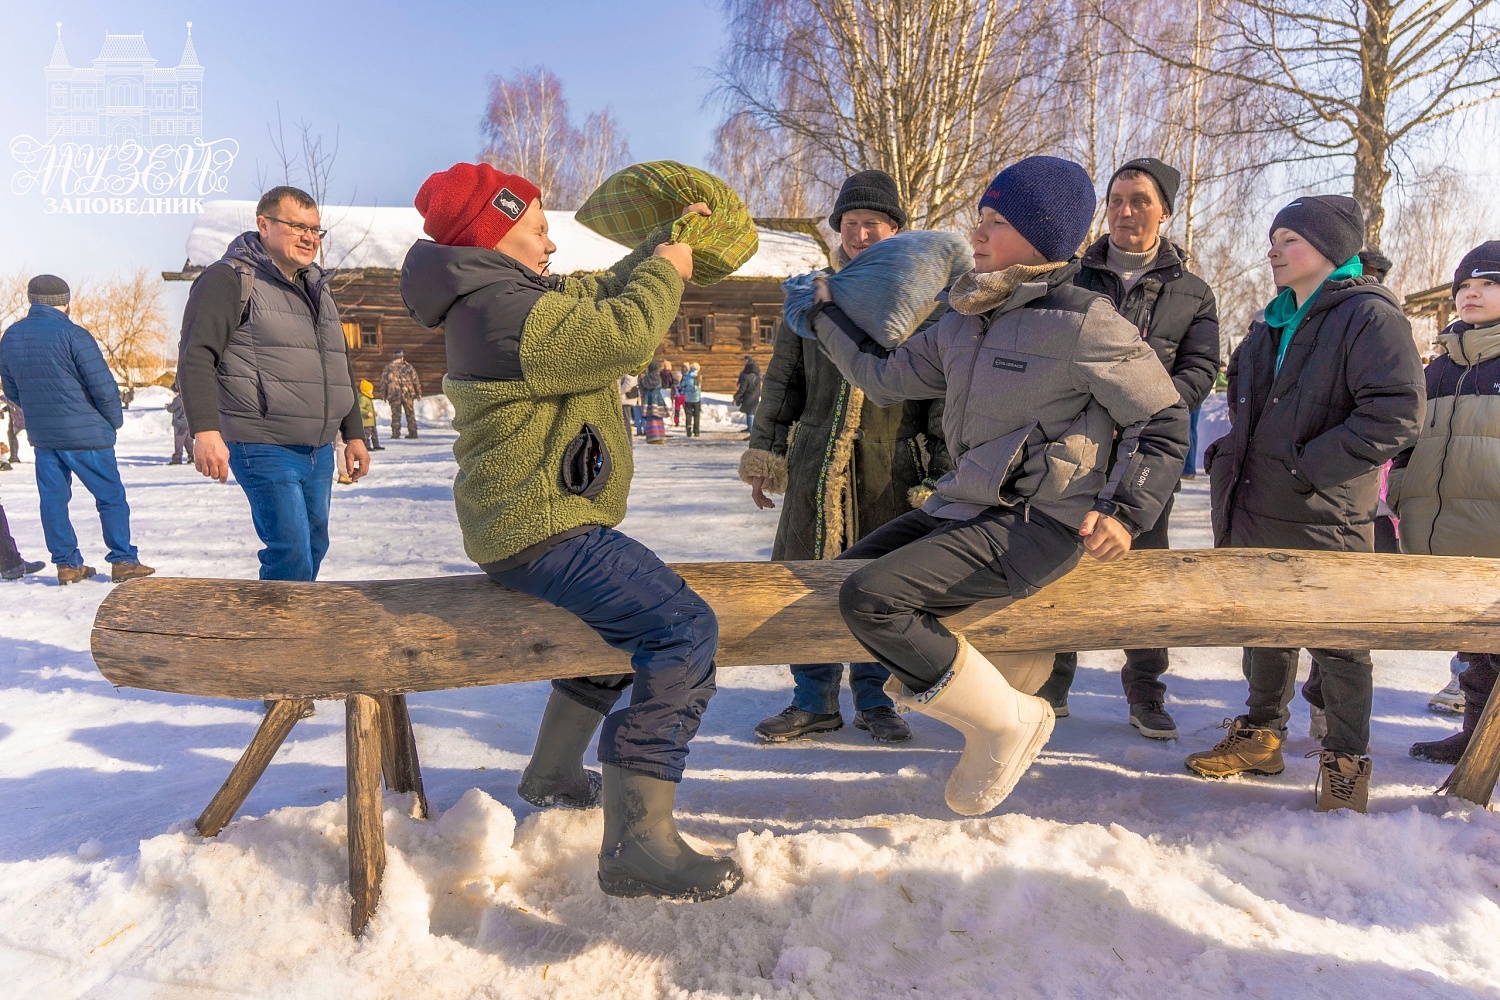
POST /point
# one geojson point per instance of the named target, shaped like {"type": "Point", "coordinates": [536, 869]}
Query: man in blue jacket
{"type": "Point", "coordinates": [53, 368]}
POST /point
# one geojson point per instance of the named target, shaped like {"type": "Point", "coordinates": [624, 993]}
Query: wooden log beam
{"type": "Point", "coordinates": [255, 639]}
{"type": "Point", "coordinates": [1474, 777]}
{"type": "Point", "coordinates": [398, 750]}
{"type": "Point", "coordinates": [366, 824]}
{"type": "Point", "coordinates": [278, 722]}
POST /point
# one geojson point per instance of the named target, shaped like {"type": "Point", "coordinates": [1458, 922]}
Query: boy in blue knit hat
{"type": "Point", "coordinates": [1043, 381]}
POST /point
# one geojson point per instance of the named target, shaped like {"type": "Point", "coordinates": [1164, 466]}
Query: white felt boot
{"type": "Point", "coordinates": [1026, 672]}
{"type": "Point", "coordinates": [1003, 729]}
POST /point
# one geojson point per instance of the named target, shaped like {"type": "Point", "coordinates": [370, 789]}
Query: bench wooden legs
{"type": "Point", "coordinates": [279, 720]}
{"type": "Point", "coordinates": [1474, 777]}
{"type": "Point", "coordinates": [366, 828]}
{"type": "Point", "coordinates": [398, 750]}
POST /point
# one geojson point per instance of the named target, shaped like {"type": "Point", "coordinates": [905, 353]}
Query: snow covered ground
{"type": "Point", "coordinates": [1109, 872]}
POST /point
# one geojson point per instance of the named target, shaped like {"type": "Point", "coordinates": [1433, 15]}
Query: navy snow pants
{"type": "Point", "coordinates": [626, 594]}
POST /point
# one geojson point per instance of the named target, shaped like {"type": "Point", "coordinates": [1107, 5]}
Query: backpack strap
{"type": "Point", "coordinates": [247, 281]}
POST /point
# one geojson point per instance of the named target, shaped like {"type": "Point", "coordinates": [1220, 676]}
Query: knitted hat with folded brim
{"type": "Point", "coordinates": [1048, 200]}
{"type": "Point", "coordinates": [473, 204]}
{"type": "Point", "coordinates": [1167, 178]}
{"type": "Point", "coordinates": [872, 190]}
{"type": "Point", "coordinates": [1333, 223]}
{"type": "Point", "coordinates": [1481, 262]}
{"type": "Point", "coordinates": [48, 290]}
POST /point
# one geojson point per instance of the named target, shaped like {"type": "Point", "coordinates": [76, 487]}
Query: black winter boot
{"type": "Point", "coordinates": [555, 775]}
{"type": "Point", "coordinates": [642, 853]}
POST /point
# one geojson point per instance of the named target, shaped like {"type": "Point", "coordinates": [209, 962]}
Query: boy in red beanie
{"type": "Point", "coordinates": [534, 363]}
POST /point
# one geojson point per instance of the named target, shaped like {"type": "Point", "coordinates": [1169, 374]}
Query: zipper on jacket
{"type": "Point", "coordinates": [1443, 462]}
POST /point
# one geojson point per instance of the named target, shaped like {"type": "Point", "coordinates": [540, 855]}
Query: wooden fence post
{"type": "Point", "coordinates": [398, 750]}
{"type": "Point", "coordinates": [1474, 777]}
{"type": "Point", "coordinates": [366, 826]}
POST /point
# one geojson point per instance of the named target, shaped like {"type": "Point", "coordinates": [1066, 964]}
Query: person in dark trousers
{"type": "Point", "coordinates": [1446, 488]}
{"type": "Point", "coordinates": [1326, 388]}
{"type": "Point", "coordinates": [401, 388]}
{"type": "Point", "coordinates": [747, 392]}
{"type": "Point", "coordinates": [54, 368]}
{"type": "Point", "coordinates": [850, 467]}
{"type": "Point", "coordinates": [182, 436]}
{"type": "Point", "coordinates": [13, 565]}
{"type": "Point", "coordinates": [15, 424]}
{"type": "Point", "coordinates": [1147, 278]}
{"type": "Point", "coordinates": [692, 398]}
{"type": "Point", "coordinates": [1041, 379]}
{"type": "Point", "coordinates": [267, 381]}
{"type": "Point", "coordinates": [544, 468]}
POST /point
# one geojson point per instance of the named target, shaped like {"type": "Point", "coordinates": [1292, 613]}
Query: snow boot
{"type": "Point", "coordinates": [1152, 720]}
{"type": "Point", "coordinates": [121, 571]}
{"type": "Point", "coordinates": [791, 723]}
{"type": "Point", "coordinates": [883, 725]}
{"type": "Point", "coordinates": [1447, 751]}
{"type": "Point", "coordinates": [644, 855]}
{"type": "Point", "coordinates": [1246, 750]}
{"type": "Point", "coordinates": [72, 574]}
{"type": "Point", "coordinates": [555, 776]}
{"type": "Point", "coordinates": [1343, 781]}
{"type": "Point", "coordinates": [1003, 729]}
{"type": "Point", "coordinates": [1450, 700]}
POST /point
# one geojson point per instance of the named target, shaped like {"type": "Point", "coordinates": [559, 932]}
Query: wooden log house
{"type": "Point", "coordinates": [716, 326]}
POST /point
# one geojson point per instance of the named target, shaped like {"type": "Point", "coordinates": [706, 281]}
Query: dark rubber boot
{"type": "Point", "coordinates": [642, 853]}
{"type": "Point", "coordinates": [556, 775]}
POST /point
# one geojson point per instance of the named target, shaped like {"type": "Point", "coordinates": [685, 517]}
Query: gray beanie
{"type": "Point", "coordinates": [48, 290]}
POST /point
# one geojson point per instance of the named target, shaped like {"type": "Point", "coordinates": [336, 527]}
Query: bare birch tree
{"type": "Point", "coordinates": [601, 149]}
{"type": "Point", "coordinates": [777, 173]}
{"type": "Point", "coordinates": [939, 93]}
{"type": "Point", "coordinates": [1362, 79]}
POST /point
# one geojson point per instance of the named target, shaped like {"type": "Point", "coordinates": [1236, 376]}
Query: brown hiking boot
{"type": "Point", "coordinates": [121, 571]}
{"type": "Point", "coordinates": [72, 574]}
{"type": "Point", "coordinates": [1246, 750]}
{"type": "Point", "coordinates": [1343, 781]}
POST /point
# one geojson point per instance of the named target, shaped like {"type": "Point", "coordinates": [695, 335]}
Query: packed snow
{"type": "Point", "coordinates": [378, 236]}
{"type": "Point", "coordinates": [1110, 871]}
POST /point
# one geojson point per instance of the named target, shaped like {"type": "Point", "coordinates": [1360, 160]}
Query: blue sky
{"type": "Point", "coordinates": [404, 84]}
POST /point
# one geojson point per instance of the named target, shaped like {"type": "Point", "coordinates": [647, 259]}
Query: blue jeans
{"type": "Point", "coordinates": [100, 475]}
{"type": "Point", "coordinates": [289, 488]}
{"type": "Point", "coordinates": [815, 686]}
{"type": "Point", "coordinates": [1190, 467]}
{"type": "Point", "coordinates": [625, 593]}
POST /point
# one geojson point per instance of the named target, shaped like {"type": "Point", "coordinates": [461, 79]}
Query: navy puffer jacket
{"type": "Point", "coordinates": [55, 371]}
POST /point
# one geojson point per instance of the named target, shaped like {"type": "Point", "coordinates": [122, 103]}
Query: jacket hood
{"type": "Point", "coordinates": [1335, 292]}
{"type": "Point", "coordinates": [249, 248]}
{"type": "Point", "coordinates": [1470, 345]}
{"type": "Point", "coordinates": [434, 277]}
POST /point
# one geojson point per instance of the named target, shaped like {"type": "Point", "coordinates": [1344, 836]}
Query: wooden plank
{"type": "Point", "coordinates": [366, 825]}
{"type": "Point", "coordinates": [273, 730]}
{"type": "Point", "coordinates": [398, 750]}
{"type": "Point", "coordinates": [192, 636]}
{"type": "Point", "coordinates": [1474, 777]}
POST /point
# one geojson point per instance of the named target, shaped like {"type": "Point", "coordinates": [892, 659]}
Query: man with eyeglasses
{"type": "Point", "coordinates": [267, 381]}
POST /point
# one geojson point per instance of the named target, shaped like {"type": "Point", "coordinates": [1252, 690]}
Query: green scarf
{"type": "Point", "coordinates": [1285, 314]}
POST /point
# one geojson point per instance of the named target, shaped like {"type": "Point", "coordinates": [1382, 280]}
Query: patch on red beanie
{"type": "Point", "coordinates": [473, 204]}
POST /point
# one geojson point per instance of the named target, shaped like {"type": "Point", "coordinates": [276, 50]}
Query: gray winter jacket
{"type": "Point", "coordinates": [1035, 390]}
{"type": "Point", "coordinates": [277, 364]}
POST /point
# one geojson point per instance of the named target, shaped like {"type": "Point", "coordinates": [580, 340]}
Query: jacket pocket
{"type": "Point", "coordinates": [983, 471]}
{"type": "Point", "coordinates": [586, 464]}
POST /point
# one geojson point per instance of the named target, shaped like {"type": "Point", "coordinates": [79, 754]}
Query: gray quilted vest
{"type": "Point", "coordinates": [284, 374]}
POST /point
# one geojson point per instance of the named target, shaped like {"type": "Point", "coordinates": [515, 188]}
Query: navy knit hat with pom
{"type": "Point", "coordinates": [1048, 200]}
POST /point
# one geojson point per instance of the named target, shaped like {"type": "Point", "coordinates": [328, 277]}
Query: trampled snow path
{"type": "Point", "coordinates": [1109, 872]}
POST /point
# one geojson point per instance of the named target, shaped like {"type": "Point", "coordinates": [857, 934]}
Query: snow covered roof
{"type": "Point", "coordinates": [365, 236]}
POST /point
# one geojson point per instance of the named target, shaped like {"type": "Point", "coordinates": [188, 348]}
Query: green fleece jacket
{"type": "Point", "coordinates": [534, 364]}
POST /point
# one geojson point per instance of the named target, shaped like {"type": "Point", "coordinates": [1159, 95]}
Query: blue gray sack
{"type": "Point", "coordinates": [890, 288]}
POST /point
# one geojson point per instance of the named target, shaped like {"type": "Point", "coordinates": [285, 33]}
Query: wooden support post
{"type": "Point", "coordinates": [1474, 777]}
{"type": "Point", "coordinates": [366, 828]}
{"type": "Point", "coordinates": [398, 750]}
{"type": "Point", "coordinates": [279, 720]}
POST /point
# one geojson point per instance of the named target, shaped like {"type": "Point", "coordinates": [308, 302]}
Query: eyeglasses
{"type": "Point", "coordinates": [300, 229]}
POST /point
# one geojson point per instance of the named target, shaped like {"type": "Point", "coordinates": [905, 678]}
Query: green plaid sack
{"type": "Point", "coordinates": [641, 198]}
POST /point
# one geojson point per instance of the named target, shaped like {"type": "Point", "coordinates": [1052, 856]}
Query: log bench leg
{"type": "Point", "coordinates": [398, 750]}
{"type": "Point", "coordinates": [366, 825]}
{"type": "Point", "coordinates": [1474, 777]}
{"type": "Point", "coordinates": [279, 720]}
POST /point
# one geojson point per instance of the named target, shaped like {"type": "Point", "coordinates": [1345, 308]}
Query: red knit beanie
{"type": "Point", "coordinates": [473, 204]}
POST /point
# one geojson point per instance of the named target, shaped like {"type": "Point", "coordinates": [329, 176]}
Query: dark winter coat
{"type": "Point", "coordinates": [54, 368]}
{"type": "Point", "coordinates": [1446, 489]}
{"type": "Point", "coordinates": [747, 389]}
{"type": "Point", "coordinates": [1172, 307]}
{"type": "Point", "coordinates": [271, 370]}
{"type": "Point", "coordinates": [841, 450]}
{"type": "Point", "coordinates": [1300, 466]}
